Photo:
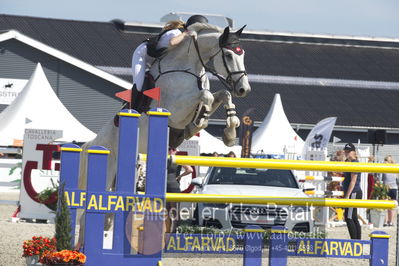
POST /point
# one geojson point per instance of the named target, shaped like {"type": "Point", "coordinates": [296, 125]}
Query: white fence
{"type": "Point", "coordinates": [10, 182]}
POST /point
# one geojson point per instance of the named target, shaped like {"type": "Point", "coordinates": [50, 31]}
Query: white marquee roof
{"type": "Point", "coordinates": [37, 106]}
{"type": "Point", "coordinates": [275, 133]}
{"type": "Point", "coordinates": [210, 144]}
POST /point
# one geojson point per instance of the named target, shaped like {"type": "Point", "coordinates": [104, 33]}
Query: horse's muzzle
{"type": "Point", "coordinates": [240, 86]}
{"type": "Point", "coordinates": [241, 92]}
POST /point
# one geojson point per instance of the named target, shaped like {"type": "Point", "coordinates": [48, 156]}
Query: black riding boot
{"type": "Point", "coordinates": [140, 102]}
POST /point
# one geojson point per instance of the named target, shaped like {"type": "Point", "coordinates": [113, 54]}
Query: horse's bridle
{"type": "Point", "coordinates": [229, 78]}
{"type": "Point", "coordinates": [228, 82]}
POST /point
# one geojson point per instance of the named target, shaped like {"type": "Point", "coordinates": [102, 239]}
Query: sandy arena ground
{"type": "Point", "coordinates": [13, 235]}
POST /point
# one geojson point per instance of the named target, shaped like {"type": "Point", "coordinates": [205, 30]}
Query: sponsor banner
{"type": "Point", "coordinates": [337, 248]}
{"type": "Point", "coordinates": [39, 171]}
{"type": "Point", "coordinates": [10, 89]}
{"type": "Point", "coordinates": [113, 202]}
{"type": "Point", "coordinates": [319, 136]}
{"type": "Point", "coordinates": [246, 133]}
{"type": "Point", "coordinates": [207, 243]}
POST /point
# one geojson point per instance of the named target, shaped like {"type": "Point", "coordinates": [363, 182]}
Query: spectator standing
{"type": "Point", "coordinates": [390, 180]}
{"type": "Point", "coordinates": [173, 186]}
{"type": "Point", "coordinates": [231, 154]}
{"type": "Point", "coordinates": [352, 190]}
{"type": "Point", "coordinates": [370, 180]}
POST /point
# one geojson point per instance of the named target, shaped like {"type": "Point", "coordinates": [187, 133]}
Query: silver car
{"type": "Point", "coordinates": [253, 182]}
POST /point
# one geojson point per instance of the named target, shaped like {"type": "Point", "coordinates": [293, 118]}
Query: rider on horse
{"type": "Point", "coordinates": [173, 33]}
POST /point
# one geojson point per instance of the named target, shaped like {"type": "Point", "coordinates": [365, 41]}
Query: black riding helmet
{"type": "Point", "coordinates": [194, 19]}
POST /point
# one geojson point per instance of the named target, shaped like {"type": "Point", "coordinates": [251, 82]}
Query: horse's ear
{"type": "Point", "coordinates": [240, 31]}
{"type": "Point", "coordinates": [226, 31]}
{"type": "Point", "coordinates": [223, 38]}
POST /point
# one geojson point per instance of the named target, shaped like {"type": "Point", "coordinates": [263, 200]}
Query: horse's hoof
{"type": "Point", "coordinates": [205, 123]}
{"type": "Point", "coordinates": [228, 142]}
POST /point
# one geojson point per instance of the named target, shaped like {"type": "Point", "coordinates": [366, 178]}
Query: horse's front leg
{"type": "Point", "coordinates": [201, 116]}
{"type": "Point", "coordinates": [232, 121]}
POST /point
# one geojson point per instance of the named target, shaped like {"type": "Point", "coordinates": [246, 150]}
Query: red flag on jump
{"type": "Point", "coordinates": [125, 95]}
{"type": "Point", "coordinates": [154, 93]}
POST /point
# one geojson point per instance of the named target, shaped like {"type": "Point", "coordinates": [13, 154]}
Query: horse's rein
{"type": "Point", "coordinates": [210, 70]}
{"type": "Point", "coordinates": [228, 82]}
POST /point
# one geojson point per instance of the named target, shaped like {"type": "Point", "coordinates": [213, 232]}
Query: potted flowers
{"type": "Point", "coordinates": [36, 248]}
{"type": "Point", "coordinates": [49, 196]}
{"type": "Point", "coordinates": [64, 254]}
{"type": "Point", "coordinates": [64, 257]}
{"type": "Point", "coordinates": [380, 192]}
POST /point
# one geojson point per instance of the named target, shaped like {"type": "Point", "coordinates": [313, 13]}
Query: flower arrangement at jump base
{"type": "Point", "coordinates": [63, 257]}
{"type": "Point", "coordinates": [64, 253]}
{"type": "Point", "coordinates": [35, 248]}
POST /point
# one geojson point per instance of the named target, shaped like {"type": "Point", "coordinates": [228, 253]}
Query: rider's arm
{"type": "Point", "coordinates": [166, 39]}
{"type": "Point", "coordinates": [187, 170]}
{"type": "Point", "coordinates": [351, 185]}
{"type": "Point", "coordinates": [178, 39]}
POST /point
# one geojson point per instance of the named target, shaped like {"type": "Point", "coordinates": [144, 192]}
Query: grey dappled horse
{"type": "Point", "coordinates": [180, 74]}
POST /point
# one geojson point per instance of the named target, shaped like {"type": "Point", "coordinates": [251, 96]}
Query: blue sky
{"type": "Point", "coordinates": [370, 18]}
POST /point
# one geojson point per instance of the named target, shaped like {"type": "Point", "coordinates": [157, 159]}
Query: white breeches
{"type": "Point", "coordinates": [139, 65]}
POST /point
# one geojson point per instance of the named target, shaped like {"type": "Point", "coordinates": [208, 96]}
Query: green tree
{"type": "Point", "coordinates": [63, 226]}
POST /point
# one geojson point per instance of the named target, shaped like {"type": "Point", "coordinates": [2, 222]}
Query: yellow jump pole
{"type": "Point", "coordinates": [322, 202]}
{"type": "Point", "coordinates": [282, 164]}
{"type": "Point", "coordinates": [286, 164]}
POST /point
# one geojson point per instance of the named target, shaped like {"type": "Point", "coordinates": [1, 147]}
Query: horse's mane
{"type": "Point", "coordinates": [199, 27]}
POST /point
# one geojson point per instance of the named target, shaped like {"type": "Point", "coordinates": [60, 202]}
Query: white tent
{"type": "Point", "coordinates": [209, 144]}
{"type": "Point", "coordinates": [38, 107]}
{"type": "Point", "coordinates": [275, 134]}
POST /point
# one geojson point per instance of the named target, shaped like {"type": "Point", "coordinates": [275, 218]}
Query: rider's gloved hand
{"type": "Point", "coordinates": [191, 33]}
